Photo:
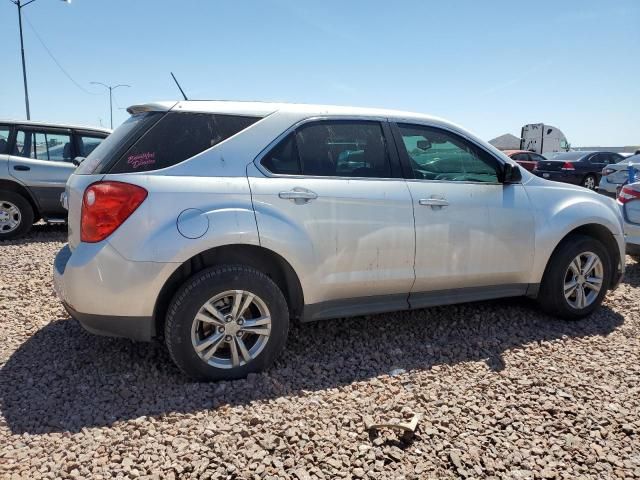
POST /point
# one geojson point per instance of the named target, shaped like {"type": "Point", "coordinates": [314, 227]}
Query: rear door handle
{"type": "Point", "coordinates": [298, 195]}
{"type": "Point", "coordinates": [433, 202]}
{"type": "Point", "coordinates": [21, 168]}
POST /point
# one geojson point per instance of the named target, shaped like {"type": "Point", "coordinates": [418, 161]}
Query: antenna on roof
{"type": "Point", "coordinates": [176, 80]}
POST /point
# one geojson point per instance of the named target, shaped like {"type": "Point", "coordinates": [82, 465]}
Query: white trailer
{"type": "Point", "coordinates": [541, 138]}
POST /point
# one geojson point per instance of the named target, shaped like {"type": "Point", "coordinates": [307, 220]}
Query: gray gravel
{"type": "Point", "coordinates": [506, 392]}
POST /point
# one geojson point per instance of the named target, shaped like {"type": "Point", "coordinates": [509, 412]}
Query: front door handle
{"type": "Point", "coordinates": [433, 202]}
{"type": "Point", "coordinates": [298, 195]}
{"type": "Point", "coordinates": [21, 168]}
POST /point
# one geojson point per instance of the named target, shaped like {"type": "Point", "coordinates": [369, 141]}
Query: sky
{"type": "Point", "coordinates": [488, 66]}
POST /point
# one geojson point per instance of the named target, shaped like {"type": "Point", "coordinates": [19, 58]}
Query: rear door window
{"type": "Point", "coordinates": [521, 156]}
{"type": "Point", "coordinates": [341, 148]}
{"type": "Point", "coordinates": [178, 136]}
{"type": "Point", "coordinates": [43, 145]}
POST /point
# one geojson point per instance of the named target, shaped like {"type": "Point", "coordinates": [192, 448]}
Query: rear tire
{"type": "Point", "coordinates": [16, 215]}
{"type": "Point", "coordinates": [589, 182]}
{"type": "Point", "coordinates": [556, 296]}
{"type": "Point", "coordinates": [226, 322]}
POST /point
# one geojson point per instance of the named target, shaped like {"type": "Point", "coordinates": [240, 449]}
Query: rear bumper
{"type": "Point", "coordinates": [135, 328]}
{"type": "Point", "coordinates": [565, 177]}
{"type": "Point", "coordinates": [108, 294]}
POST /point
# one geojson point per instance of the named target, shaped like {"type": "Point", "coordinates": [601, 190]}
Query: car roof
{"type": "Point", "coordinates": [513, 152]}
{"type": "Point", "coordinates": [52, 124]}
{"type": "Point", "coordinates": [266, 108]}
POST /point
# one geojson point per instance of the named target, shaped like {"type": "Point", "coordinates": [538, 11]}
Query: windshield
{"type": "Point", "coordinates": [121, 138]}
{"type": "Point", "coordinates": [565, 155]}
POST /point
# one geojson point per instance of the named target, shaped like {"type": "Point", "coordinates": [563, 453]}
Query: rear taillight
{"type": "Point", "coordinates": [105, 206]}
{"type": "Point", "coordinates": [568, 166]}
{"type": "Point", "coordinates": [627, 194]}
{"type": "Point", "coordinates": [607, 171]}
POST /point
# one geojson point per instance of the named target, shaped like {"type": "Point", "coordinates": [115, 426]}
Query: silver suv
{"type": "Point", "coordinates": [213, 224]}
{"type": "Point", "coordinates": [36, 160]}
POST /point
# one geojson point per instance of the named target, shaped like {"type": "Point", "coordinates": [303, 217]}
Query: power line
{"type": "Point", "coordinates": [56, 61]}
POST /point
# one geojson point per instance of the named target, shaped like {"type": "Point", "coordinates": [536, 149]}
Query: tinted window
{"type": "Point", "coordinates": [283, 159]}
{"type": "Point", "coordinates": [119, 141]}
{"type": "Point", "coordinates": [343, 149]}
{"type": "Point", "coordinates": [86, 145]}
{"type": "Point", "coordinates": [55, 147]}
{"type": "Point", "coordinates": [536, 158]}
{"type": "Point", "coordinates": [435, 154]}
{"type": "Point", "coordinates": [332, 149]}
{"type": "Point", "coordinates": [178, 136]}
{"type": "Point", "coordinates": [520, 156]}
{"type": "Point", "coordinates": [4, 138]}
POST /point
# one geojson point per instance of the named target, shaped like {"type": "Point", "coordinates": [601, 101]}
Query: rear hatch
{"type": "Point", "coordinates": [99, 161]}
{"type": "Point", "coordinates": [550, 165]}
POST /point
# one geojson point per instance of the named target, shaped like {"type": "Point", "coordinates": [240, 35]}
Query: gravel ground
{"type": "Point", "coordinates": [506, 392]}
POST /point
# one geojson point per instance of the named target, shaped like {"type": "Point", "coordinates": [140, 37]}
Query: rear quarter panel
{"type": "Point", "coordinates": [218, 208]}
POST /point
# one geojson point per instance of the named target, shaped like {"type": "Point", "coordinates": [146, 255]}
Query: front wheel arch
{"type": "Point", "coordinates": [602, 234]}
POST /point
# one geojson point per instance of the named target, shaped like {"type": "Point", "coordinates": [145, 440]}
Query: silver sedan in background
{"type": "Point", "coordinates": [629, 201]}
{"type": "Point", "coordinates": [614, 176]}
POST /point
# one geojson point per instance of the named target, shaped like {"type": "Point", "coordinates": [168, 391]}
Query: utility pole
{"type": "Point", "coordinates": [111, 88]}
{"type": "Point", "coordinates": [20, 5]}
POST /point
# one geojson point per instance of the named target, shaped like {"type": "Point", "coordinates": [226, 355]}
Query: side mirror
{"type": "Point", "coordinates": [78, 160]}
{"type": "Point", "coordinates": [424, 144]}
{"type": "Point", "coordinates": [511, 174]}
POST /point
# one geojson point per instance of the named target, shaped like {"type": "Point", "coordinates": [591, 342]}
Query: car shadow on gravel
{"type": "Point", "coordinates": [64, 379]}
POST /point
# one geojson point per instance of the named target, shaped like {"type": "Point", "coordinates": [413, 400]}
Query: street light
{"type": "Point", "coordinates": [111, 89]}
{"type": "Point", "coordinates": [21, 5]}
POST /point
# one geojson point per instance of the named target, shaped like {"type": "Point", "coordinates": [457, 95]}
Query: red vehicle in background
{"type": "Point", "coordinates": [527, 159]}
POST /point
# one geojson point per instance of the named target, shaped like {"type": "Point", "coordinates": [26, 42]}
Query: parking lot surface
{"type": "Point", "coordinates": [505, 392]}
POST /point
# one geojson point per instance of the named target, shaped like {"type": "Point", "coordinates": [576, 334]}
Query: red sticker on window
{"type": "Point", "coordinates": [141, 159]}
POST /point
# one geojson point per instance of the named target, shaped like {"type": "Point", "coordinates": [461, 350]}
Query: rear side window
{"type": "Point", "coordinates": [87, 144]}
{"type": "Point", "coordinates": [177, 137]}
{"type": "Point", "coordinates": [520, 156]}
{"type": "Point", "coordinates": [4, 139]}
{"type": "Point", "coordinates": [332, 149]}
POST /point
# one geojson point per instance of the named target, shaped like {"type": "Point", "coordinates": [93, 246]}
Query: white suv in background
{"type": "Point", "coordinates": [213, 224]}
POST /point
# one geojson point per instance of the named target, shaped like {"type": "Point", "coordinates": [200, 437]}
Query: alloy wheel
{"type": "Point", "coordinates": [589, 183]}
{"type": "Point", "coordinates": [10, 216]}
{"type": "Point", "coordinates": [231, 329]}
{"type": "Point", "coordinates": [583, 280]}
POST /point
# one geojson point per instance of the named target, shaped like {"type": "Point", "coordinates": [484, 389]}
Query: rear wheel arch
{"type": "Point", "coordinates": [11, 186]}
{"type": "Point", "coordinates": [260, 258]}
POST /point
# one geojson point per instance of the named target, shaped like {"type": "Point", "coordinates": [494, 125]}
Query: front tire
{"type": "Point", "coordinates": [589, 182]}
{"type": "Point", "coordinates": [226, 322]}
{"type": "Point", "coordinates": [16, 215]}
{"type": "Point", "coordinates": [576, 279]}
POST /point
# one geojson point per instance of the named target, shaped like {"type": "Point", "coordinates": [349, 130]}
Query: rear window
{"type": "Point", "coordinates": [566, 155]}
{"type": "Point", "coordinates": [178, 136]}
{"type": "Point", "coordinates": [99, 160]}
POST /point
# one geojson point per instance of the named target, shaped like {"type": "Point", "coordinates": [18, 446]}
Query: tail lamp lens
{"type": "Point", "coordinates": [105, 206]}
{"type": "Point", "coordinates": [627, 194]}
{"type": "Point", "coordinates": [568, 166]}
